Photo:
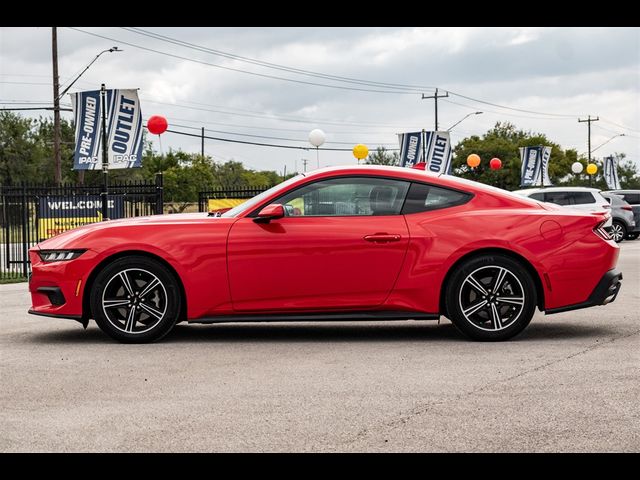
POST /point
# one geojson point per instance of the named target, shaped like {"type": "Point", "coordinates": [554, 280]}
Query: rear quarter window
{"type": "Point", "coordinates": [424, 198]}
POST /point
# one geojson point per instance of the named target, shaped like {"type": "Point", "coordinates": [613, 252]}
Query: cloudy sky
{"type": "Point", "coordinates": [542, 79]}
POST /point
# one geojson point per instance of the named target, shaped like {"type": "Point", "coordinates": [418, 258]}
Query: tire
{"type": "Point", "coordinates": [618, 231]}
{"type": "Point", "coordinates": [135, 299]}
{"type": "Point", "coordinates": [632, 236]}
{"type": "Point", "coordinates": [474, 281]}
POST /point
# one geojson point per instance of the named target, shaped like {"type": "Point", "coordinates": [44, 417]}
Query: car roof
{"type": "Point", "coordinates": [557, 189]}
{"type": "Point", "coordinates": [418, 175]}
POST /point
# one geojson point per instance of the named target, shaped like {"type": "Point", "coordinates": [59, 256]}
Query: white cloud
{"type": "Point", "coordinates": [562, 70]}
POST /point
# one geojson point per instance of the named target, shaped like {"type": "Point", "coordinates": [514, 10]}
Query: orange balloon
{"type": "Point", "coordinates": [473, 160]}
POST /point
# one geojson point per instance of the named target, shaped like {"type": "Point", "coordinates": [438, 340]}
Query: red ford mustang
{"type": "Point", "coordinates": [344, 243]}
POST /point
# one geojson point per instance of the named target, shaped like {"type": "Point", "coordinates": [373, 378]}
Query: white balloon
{"type": "Point", "coordinates": [577, 167]}
{"type": "Point", "coordinates": [316, 137]}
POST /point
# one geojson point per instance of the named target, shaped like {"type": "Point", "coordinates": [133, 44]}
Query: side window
{"type": "Point", "coordinates": [632, 198]}
{"type": "Point", "coordinates": [581, 198]}
{"type": "Point", "coordinates": [422, 198]}
{"type": "Point", "coordinates": [537, 196]}
{"type": "Point", "coordinates": [347, 196]}
{"type": "Point", "coordinates": [559, 198]}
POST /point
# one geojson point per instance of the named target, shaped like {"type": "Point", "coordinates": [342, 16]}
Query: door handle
{"type": "Point", "coordinates": [382, 237]}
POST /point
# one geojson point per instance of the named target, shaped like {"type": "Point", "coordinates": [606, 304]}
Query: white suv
{"type": "Point", "coordinates": [579, 198]}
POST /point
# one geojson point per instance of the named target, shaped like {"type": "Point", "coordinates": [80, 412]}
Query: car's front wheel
{"type": "Point", "coordinates": [491, 297]}
{"type": "Point", "coordinates": [135, 299]}
{"type": "Point", "coordinates": [618, 231]}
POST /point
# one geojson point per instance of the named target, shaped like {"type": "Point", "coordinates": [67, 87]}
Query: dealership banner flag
{"type": "Point", "coordinates": [410, 148]}
{"type": "Point", "coordinates": [610, 172]}
{"type": "Point", "coordinates": [123, 125]}
{"type": "Point", "coordinates": [546, 155]}
{"type": "Point", "coordinates": [535, 166]}
{"type": "Point", "coordinates": [438, 152]}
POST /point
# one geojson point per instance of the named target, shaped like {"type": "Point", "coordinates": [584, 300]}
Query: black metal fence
{"type": "Point", "coordinates": [31, 213]}
{"type": "Point", "coordinates": [234, 193]}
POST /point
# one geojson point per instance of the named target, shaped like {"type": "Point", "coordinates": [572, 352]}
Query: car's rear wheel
{"type": "Point", "coordinates": [618, 231]}
{"type": "Point", "coordinates": [632, 236]}
{"type": "Point", "coordinates": [135, 299]}
{"type": "Point", "coordinates": [491, 298]}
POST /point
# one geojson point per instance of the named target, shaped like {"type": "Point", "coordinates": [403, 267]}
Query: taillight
{"type": "Point", "coordinates": [601, 232]}
{"type": "Point", "coordinates": [627, 207]}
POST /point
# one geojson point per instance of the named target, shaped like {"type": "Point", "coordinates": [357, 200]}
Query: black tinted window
{"type": "Point", "coordinates": [537, 196]}
{"type": "Point", "coordinates": [346, 196]}
{"type": "Point", "coordinates": [569, 198]}
{"type": "Point", "coordinates": [632, 198]}
{"type": "Point", "coordinates": [422, 198]}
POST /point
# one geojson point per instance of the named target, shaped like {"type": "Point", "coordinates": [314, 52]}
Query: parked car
{"type": "Point", "coordinates": [632, 197]}
{"type": "Point", "coordinates": [341, 243]}
{"type": "Point", "coordinates": [622, 215]}
{"type": "Point", "coordinates": [580, 198]}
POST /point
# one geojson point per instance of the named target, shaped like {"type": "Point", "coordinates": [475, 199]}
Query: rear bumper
{"type": "Point", "coordinates": [605, 292]}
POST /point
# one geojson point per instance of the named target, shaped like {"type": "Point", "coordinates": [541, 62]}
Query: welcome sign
{"type": "Point", "coordinates": [59, 213]}
{"type": "Point", "coordinates": [123, 125]}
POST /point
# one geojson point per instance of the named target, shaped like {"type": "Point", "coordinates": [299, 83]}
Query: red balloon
{"type": "Point", "coordinates": [495, 163]}
{"type": "Point", "coordinates": [157, 124]}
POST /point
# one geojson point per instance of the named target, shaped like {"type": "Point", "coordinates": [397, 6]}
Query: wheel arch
{"type": "Point", "coordinates": [86, 307]}
{"type": "Point", "coordinates": [487, 251]}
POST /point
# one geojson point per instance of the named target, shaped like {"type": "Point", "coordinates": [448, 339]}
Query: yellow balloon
{"type": "Point", "coordinates": [473, 160]}
{"type": "Point", "coordinates": [592, 168]}
{"type": "Point", "coordinates": [360, 151]}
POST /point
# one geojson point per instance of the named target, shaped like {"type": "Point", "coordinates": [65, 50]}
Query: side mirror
{"type": "Point", "coordinates": [270, 212]}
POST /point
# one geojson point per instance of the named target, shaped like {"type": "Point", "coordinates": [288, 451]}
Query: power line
{"type": "Point", "coordinates": [263, 75]}
{"type": "Point", "coordinates": [25, 83]}
{"type": "Point", "coordinates": [253, 61]}
{"type": "Point", "coordinates": [270, 137]}
{"type": "Point", "coordinates": [618, 125]}
{"type": "Point", "coordinates": [511, 108]}
{"type": "Point", "coordinates": [435, 97]}
{"type": "Point", "coordinates": [413, 88]}
{"type": "Point", "coordinates": [272, 117]}
{"type": "Point", "coordinates": [486, 110]}
{"type": "Point", "coordinates": [295, 147]}
{"type": "Point", "coordinates": [33, 108]}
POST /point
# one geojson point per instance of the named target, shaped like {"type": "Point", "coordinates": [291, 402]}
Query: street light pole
{"type": "Point", "coordinates": [57, 96]}
{"type": "Point", "coordinates": [56, 107]}
{"type": "Point", "coordinates": [463, 118]}
{"type": "Point", "coordinates": [603, 144]}
{"type": "Point", "coordinates": [112, 49]}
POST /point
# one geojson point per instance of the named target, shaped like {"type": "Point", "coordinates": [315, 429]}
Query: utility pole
{"type": "Point", "coordinates": [56, 107]}
{"type": "Point", "coordinates": [304, 164]}
{"type": "Point", "coordinates": [589, 120]}
{"type": "Point", "coordinates": [435, 97]}
{"type": "Point", "coordinates": [202, 144]}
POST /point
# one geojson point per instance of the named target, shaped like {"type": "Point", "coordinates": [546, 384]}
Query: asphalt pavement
{"type": "Point", "coordinates": [569, 383]}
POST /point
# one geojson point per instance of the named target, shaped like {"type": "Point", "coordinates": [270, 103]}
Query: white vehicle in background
{"type": "Point", "coordinates": [578, 198]}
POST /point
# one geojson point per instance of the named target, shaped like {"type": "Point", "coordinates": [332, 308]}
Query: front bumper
{"type": "Point", "coordinates": [57, 288]}
{"type": "Point", "coordinates": [605, 292]}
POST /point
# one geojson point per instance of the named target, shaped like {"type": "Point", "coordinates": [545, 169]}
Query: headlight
{"type": "Point", "coordinates": [59, 255]}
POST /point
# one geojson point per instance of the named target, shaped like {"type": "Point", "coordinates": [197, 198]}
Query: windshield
{"type": "Point", "coordinates": [252, 202]}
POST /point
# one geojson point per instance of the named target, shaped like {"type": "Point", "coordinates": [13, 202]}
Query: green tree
{"type": "Point", "coordinates": [503, 141]}
{"type": "Point", "coordinates": [182, 182]}
{"type": "Point", "coordinates": [18, 156]}
{"type": "Point", "coordinates": [382, 157]}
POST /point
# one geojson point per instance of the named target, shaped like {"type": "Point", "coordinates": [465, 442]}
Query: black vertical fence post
{"type": "Point", "coordinates": [159, 194]}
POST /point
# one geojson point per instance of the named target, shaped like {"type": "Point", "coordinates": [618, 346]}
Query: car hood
{"type": "Point", "coordinates": [71, 236]}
